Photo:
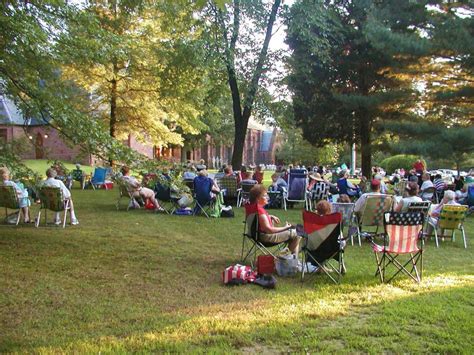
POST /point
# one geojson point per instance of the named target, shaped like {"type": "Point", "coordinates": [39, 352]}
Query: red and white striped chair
{"type": "Point", "coordinates": [401, 237]}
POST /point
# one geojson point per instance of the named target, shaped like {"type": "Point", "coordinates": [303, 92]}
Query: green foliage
{"type": "Point", "coordinates": [400, 161]}
{"type": "Point", "coordinates": [10, 157]}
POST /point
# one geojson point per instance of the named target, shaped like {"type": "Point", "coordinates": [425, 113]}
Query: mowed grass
{"type": "Point", "coordinates": [142, 282]}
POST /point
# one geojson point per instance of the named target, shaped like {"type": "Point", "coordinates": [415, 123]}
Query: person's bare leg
{"type": "Point", "coordinates": [71, 211]}
{"type": "Point", "coordinates": [26, 214]}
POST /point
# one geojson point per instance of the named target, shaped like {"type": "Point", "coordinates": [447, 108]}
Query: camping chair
{"type": "Point", "coordinates": [244, 191]}
{"type": "Point", "coordinates": [9, 199]}
{"type": "Point", "coordinates": [52, 199]}
{"type": "Point", "coordinates": [402, 233]}
{"type": "Point", "coordinates": [297, 186]}
{"type": "Point", "coordinates": [372, 214]}
{"type": "Point", "coordinates": [98, 179]}
{"type": "Point", "coordinates": [228, 184]}
{"type": "Point", "coordinates": [451, 218]}
{"type": "Point", "coordinates": [347, 211]}
{"type": "Point", "coordinates": [163, 195]}
{"type": "Point", "coordinates": [400, 187]}
{"type": "Point", "coordinates": [251, 236]}
{"type": "Point", "coordinates": [319, 192]}
{"type": "Point", "coordinates": [204, 202]}
{"type": "Point", "coordinates": [322, 243]}
{"type": "Point", "coordinates": [470, 197]}
{"type": "Point", "coordinates": [423, 207]}
{"type": "Point", "coordinates": [124, 191]}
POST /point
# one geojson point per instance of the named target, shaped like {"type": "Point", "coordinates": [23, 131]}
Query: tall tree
{"type": "Point", "coordinates": [343, 84]}
{"type": "Point", "coordinates": [244, 55]}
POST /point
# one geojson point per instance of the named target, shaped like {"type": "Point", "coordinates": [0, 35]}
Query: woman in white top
{"type": "Point", "coordinates": [22, 194]}
{"type": "Point", "coordinates": [412, 190]}
{"type": "Point", "coordinates": [51, 181]}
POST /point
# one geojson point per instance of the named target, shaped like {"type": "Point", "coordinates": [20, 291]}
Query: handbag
{"type": "Point", "coordinates": [238, 275]}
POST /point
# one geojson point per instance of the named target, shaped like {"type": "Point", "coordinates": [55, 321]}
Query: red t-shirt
{"type": "Point", "coordinates": [418, 166]}
{"type": "Point", "coordinates": [256, 208]}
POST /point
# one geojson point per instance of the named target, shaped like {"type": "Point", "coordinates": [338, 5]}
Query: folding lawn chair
{"type": "Point", "coordinates": [10, 200]}
{"type": "Point", "coordinates": [373, 214]}
{"type": "Point", "coordinates": [322, 243]}
{"type": "Point", "coordinates": [297, 186]}
{"type": "Point", "coordinates": [52, 199]}
{"type": "Point", "coordinates": [229, 185]}
{"type": "Point", "coordinates": [251, 244]}
{"type": "Point", "coordinates": [166, 201]}
{"type": "Point", "coordinates": [206, 204]}
{"type": "Point", "coordinates": [347, 211]}
{"type": "Point", "coordinates": [125, 191]}
{"type": "Point", "coordinates": [98, 179]}
{"type": "Point", "coordinates": [244, 191]}
{"type": "Point", "coordinates": [400, 187]}
{"type": "Point", "coordinates": [423, 207]}
{"type": "Point", "coordinates": [451, 218]}
{"type": "Point", "coordinates": [402, 233]}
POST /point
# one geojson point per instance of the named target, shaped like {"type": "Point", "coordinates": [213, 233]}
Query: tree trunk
{"type": "Point", "coordinates": [113, 109]}
{"type": "Point", "coordinates": [365, 145]}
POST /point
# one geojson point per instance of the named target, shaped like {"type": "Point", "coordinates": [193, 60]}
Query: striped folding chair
{"type": "Point", "coordinates": [373, 214]}
{"type": "Point", "coordinates": [402, 233]}
{"type": "Point", "coordinates": [320, 191]}
{"type": "Point", "coordinates": [451, 218]}
{"type": "Point", "coordinates": [347, 211]}
{"type": "Point", "coordinates": [322, 244]}
{"type": "Point", "coordinates": [229, 185]}
{"type": "Point", "coordinates": [52, 199]}
{"type": "Point", "coordinates": [400, 187]}
{"type": "Point", "coordinates": [9, 199]}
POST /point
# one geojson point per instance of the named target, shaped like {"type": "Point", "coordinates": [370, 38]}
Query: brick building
{"type": "Point", "coordinates": [46, 143]}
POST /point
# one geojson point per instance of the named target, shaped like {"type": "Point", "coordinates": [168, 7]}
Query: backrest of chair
{"type": "Point", "coordinates": [375, 207]}
{"type": "Point", "coordinates": [9, 197]}
{"type": "Point", "coordinates": [99, 175]}
{"type": "Point", "coordinates": [346, 209]}
{"type": "Point", "coordinates": [297, 184]}
{"type": "Point", "coordinates": [190, 184]}
{"type": "Point", "coordinates": [123, 188]}
{"type": "Point", "coordinates": [423, 207]}
{"type": "Point", "coordinates": [51, 198]}
{"type": "Point", "coordinates": [470, 195]}
{"type": "Point", "coordinates": [323, 234]}
{"type": "Point", "coordinates": [162, 190]}
{"type": "Point", "coordinates": [320, 191]}
{"type": "Point", "coordinates": [202, 188]}
{"type": "Point", "coordinates": [452, 216]}
{"type": "Point", "coordinates": [403, 230]}
{"type": "Point", "coordinates": [342, 186]}
{"type": "Point", "coordinates": [251, 221]}
{"type": "Point", "coordinates": [230, 184]}
{"type": "Point", "coordinates": [400, 187]}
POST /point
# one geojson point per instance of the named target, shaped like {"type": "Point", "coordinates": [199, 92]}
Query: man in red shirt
{"type": "Point", "coordinates": [419, 166]}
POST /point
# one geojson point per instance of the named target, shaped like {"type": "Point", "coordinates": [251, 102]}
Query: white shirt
{"type": "Point", "coordinates": [58, 183]}
{"type": "Point", "coordinates": [407, 200]}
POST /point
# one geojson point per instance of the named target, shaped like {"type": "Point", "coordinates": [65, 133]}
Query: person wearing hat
{"type": "Point", "coordinates": [412, 190]}
{"type": "Point", "coordinates": [360, 203]}
{"type": "Point", "coordinates": [383, 187]}
{"type": "Point", "coordinates": [314, 178]}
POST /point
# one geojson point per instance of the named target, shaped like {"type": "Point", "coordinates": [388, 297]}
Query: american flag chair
{"type": "Point", "coordinates": [451, 218]}
{"type": "Point", "coordinates": [347, 211]}
{"type": "Point", "coordinates": [251, 245]}
{"type": "Point", "coordinates": [401, 237]}
{"type": "Point", "coordinates": [322, 243]}
{"type": "Point", "coordinates": [373, 213]}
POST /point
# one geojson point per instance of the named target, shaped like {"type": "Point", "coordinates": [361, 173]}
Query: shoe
{"type": "Point", "coordinates": [57, 222]}
{"type": "Point", "coordinates": [159, 209]}
{"type": "Point", "coordinates": [75, 222]}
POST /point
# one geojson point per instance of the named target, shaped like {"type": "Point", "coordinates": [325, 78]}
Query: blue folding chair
{"type": "Point", "coordinates": [297, 186]}
{"type": "Point", "coordinates": [98, 179]}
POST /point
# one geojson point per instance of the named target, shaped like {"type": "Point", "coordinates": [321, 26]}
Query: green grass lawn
{"type": "Point", "coordinates": [142, 282]}
{"type": "Point", "coordinates": [41, 165]}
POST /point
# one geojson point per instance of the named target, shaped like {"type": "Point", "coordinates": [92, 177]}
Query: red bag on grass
{"type": "Point", "coordinates": [149, 205]}
{"type": "Point", "coordinates": [238, 275]}
{"type": "Point", "coordinates": [265, 264]}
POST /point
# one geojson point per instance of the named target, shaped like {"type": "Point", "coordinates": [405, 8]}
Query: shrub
{"type": "Point", "coordinates": [399, 161]}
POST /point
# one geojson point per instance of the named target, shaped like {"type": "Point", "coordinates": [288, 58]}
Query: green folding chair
{"type": "Point", "coordinates": [451, 218]}
{"type": "Point", "coordinates": [52, 199]}
{"type": "Point", "coordinates": [9, 199]}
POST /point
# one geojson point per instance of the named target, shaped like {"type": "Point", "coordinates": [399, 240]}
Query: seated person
{"type": "Point", "coordinates": [247, 177]}
{"type": "Point", "coordinates": [449, 198]}
{"type": "Point", "coordinates": [51, 180]}
{"type": "Point", "coordinates": [278, 185]}
{"type": "Point", "coordinates": [362, 184]}
{"type": "Point", "coordinates": [412, 191]}
{"type": "Point", "coordinates": [205, 188]}
{"type": "Point", "coordinates": [427, 184]}
{"type": "Point", "coordinates": [190, 172]}
{"type": "Point", "coordinates": [323, 208]}
{"type": "Point", "coordinates": [76, 175]}
{"type": "Point", "coordinates": [345, 186]}
{"type": "Point", "coordinates": [375, 191]}
{"type": "Point", "coordinates": [269, 233]}
{"type": "Point", "coordinates": [439, 184]}
{"type": "Point", "coordinates": [462, 195]}
{"type": "Point", "coordinates": [383, 187]}
{"type": "Point", "coordinates": [138, 190]}
{"type": "Point", "coordinates": [258, 175]}
{"type": "Point", "coordinates": [22, 194]}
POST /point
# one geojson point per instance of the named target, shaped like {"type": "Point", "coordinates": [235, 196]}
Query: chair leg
{"type": "Point", "coordinates": [38, 217]}
{"type": "Point", "coordinates": [464, 236]}
{"type": "Point", "coordinates": [18, 218]}
{"type": "Point", "coordinates": [435, 229]}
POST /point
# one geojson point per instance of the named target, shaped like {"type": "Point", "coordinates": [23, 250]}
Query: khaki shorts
{"type": "Point", "coordinates": [279, 237]}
